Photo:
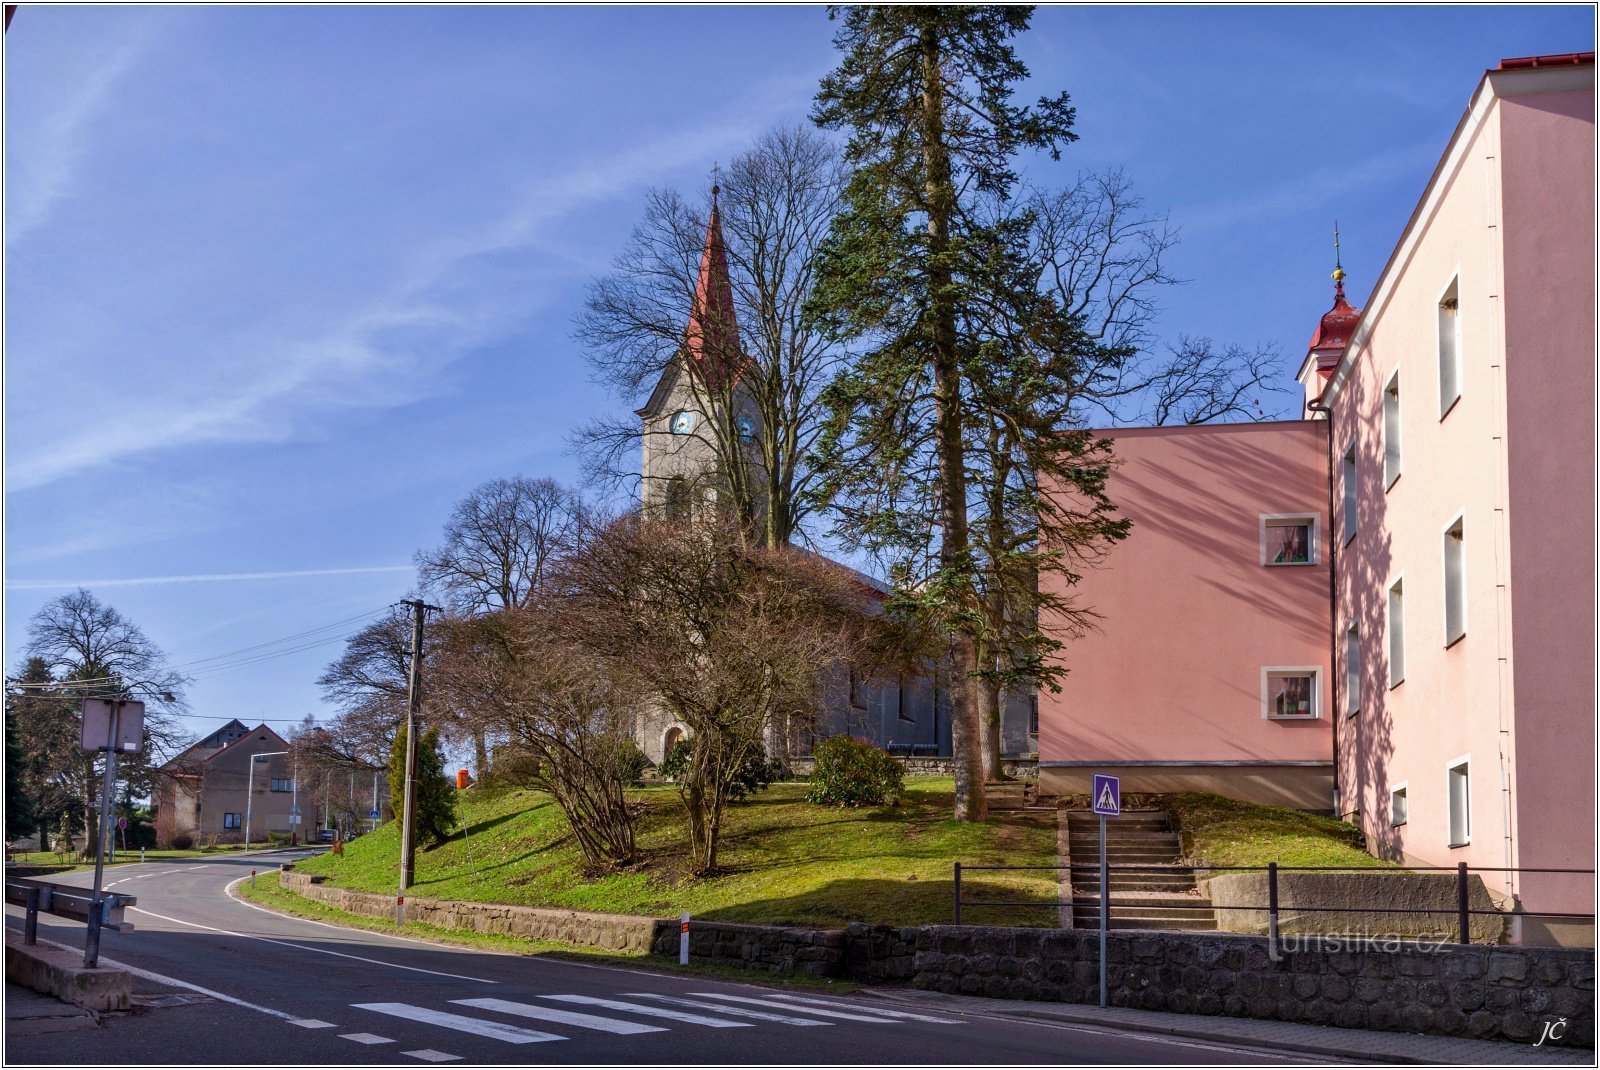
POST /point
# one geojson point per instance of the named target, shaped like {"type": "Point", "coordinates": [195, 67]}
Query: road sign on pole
{"type": "Point", "coordinates": [1106, 791]}
{"type": "Point", "coordinates": [373, 814]}
{"type": "Point", "coordinates": [1105, 794]}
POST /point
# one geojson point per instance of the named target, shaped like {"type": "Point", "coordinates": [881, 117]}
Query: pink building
{"type": "Point", "coordinates": [1457, 721]}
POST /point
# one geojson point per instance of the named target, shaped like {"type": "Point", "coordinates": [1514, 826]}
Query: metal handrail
{"type": "Point", "coordinates": [1463, 910]}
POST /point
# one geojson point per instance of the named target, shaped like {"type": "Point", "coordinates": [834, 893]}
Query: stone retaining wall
{"type": "Point", "coordinates": [623, 933]}
{"type": "Point", "coordinates": [812, 952]}
{"type": "Point", "coordinates": [1450, 990]}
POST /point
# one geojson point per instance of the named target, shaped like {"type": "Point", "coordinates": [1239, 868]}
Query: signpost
{"type": "Point", "coordinates": [1105, 792]}
{"type": "Point", "coordinates": [114, 726]}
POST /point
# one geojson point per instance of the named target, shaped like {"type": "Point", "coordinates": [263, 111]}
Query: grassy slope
{"type": "Point", "coordinates": [786, 861]}
{"type": "Point", "coordinates": [1226, 832]}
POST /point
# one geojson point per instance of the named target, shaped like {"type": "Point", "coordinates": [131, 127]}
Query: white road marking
{"type": "Point", "coordinates": [785, 1006]}
{"type": "Point", "coordinates": [551, 1014]}
{"type": "Point", "coordinates": [312, 1023]}
{"type": "Point", "coordinates": [737, 1012]}
{"type": "Point", "coordinates": [870, 1010]}
{"type": "Point", "coordinates": [429, 1055]}
{"type": "Point", "coordinates": [318, 950]}
{"type": "Point", "coordinates": [511, 1034]}
{"type": "Point", "coordinates": [366, 1038]}
{"type": "Point", "coordinates": [173, 981]}
{"type": "Point", "coordinates": [653, 1012]}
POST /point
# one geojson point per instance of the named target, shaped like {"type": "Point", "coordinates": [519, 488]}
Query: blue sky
{"type": "Point", "coordinates": [283, 284]}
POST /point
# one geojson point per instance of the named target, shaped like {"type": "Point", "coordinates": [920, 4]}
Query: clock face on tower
{"type": "Point", "coordinates": [682, 422]}
{"type": "Point", "coordinates": [747, 429]}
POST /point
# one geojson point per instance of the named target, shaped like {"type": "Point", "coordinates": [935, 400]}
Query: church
{"type": "Point", "coordinates": [700, 431]}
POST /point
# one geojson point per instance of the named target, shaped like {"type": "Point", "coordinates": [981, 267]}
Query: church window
{"type": "Point", "coordinates": [677, 498]}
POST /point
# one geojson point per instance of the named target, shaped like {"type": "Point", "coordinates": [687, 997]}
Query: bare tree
{"type": "Point", "coordinates": [369, 685]}
{"type": "Point", "coordinates": [85, 648]}
{"type": "Point", "coordinates": [728, 637]}
{"type": "Point", "coordinates": [1101, 256]}
{"type": "Point", "coordinates": [496, 543]}
{"type": "Point", "coordinates": [561, 712]}
{"type": "Point", "coordinates": [775, 205]}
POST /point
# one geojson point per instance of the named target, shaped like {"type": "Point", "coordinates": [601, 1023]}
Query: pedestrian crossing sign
{"type": "Point", "coordinates": [1106, 792]}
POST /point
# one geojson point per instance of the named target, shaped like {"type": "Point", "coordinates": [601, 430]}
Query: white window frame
{"type": "Point", "coordinates": [1349, 489]}
{"type": "Point", "coordinates": [1352, 669]}
{"type": "Point", "coordinates": [238, 820]}
{"type": "Point", "coordinates": [1314, 545]}
{"type": "Point", "coordinates": [1400, 789]}
{"type": "Point", "coordinates": [1466, 800]}
{"type": "Point", "coordinates": [1446, 404]}
{"type": "Point", "coordinates": [1460, 519]}
{"type": "Point", "coordinates": [1390, 639]}
{"type": "Point", "coordinates": [1393, 458]}
{"type": "Point", "coordinates": [1313, 671]}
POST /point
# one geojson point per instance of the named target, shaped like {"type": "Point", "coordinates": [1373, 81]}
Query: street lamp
{"type": "Point", "coordinates": [250, 790]}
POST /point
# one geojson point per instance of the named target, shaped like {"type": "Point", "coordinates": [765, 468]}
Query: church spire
{"type": "Point", "coordinates": [1338, 324]}
{"type": "Point", "coordinates": [712, 339]}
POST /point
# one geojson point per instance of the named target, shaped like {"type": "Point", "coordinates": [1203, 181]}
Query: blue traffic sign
{"type": "Point", "coordinates": [1106, 793]}
{"type": "Point", "coordinates": [373, 814]}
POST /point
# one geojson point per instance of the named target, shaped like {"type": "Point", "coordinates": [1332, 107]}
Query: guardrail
{"type": "Point", "coordinates": [1463, 912]}
{"type": "Point", "coordinates": [72, 903]}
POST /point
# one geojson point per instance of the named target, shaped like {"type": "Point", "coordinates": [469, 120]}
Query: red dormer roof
{"type": "Point", "coordinates": [712, 338]}
{"type": "Point", "coordinates": [1334, 331]}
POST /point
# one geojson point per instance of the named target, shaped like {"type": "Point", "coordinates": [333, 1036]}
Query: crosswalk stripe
{"type": "Point", "coordinates": [365, 1038]}
{"type": "Point", "coordinates": [870, 1010]}
{"type": "Point", "coordinates": [786, 1006]}
{"type": "Point", "coordinates": [737, 1012]}
{"type": "Point", "coordinates": [310, 1023]}
{"type": "Point", "coordinates": [511, 1034]}
{"type": "Point", "coordinates": [653, 1012]}
{"type": "Point", "coordinates": [551, 1014]}
{"type": "Point", "coordinates": [428, 1055]}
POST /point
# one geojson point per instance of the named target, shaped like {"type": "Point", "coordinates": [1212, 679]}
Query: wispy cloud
{"type": "Point", "coordinates": [202, 577]}
{"type": "Point", "coordinates": [389, 350]}
{"type": "Point", "coordinates": [47, 173]}
{"type": "Point", "coordinates": [1301, 193]}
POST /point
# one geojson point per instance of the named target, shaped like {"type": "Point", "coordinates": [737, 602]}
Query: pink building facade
{"type": "Point", "coordinates": [1462, 415]}
{"type": "Point", "coordinates": [1451, 433]}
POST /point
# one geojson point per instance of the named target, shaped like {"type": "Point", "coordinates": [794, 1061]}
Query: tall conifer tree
{"type": "Point", "coordinates": [927, 265]}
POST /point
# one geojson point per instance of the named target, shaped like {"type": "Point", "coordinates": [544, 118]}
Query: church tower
{"type": "Point", "coordinates": [701, 428]}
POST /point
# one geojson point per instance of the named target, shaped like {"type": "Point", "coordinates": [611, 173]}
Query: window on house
{"type": "Point", "coordinates": [1033, 714]}
{"type": "Point", "coordinates": [1391, 431]}
{"type": "Point", "coordinates": [1449, 348]}
{"type": "Point", "coordinates": [1455, 582]}
{"type": "Point", "coordinates": [1352, 670]}
{"type": "Point", "coordinates": [1397, 805]}
{"type": "Point", "coordinates": [903, 708]}
{"type": "Point", "coordinates": [1460, 804]}
{"type": "Point", "coordinates": [858, 690]}
{"type": "Point", "coordinates": [1349, 481]}
{"type": "Point", "coordinates": [282, 784]}
{"type": "Point", "coordinates": [230, 821]}
{"type": "Point", "coordinates": [1288, 540]}
{"type": "Point", "coordinates": [1290, 692]}
{"type": "Point", "coordinates": [1397, 633]}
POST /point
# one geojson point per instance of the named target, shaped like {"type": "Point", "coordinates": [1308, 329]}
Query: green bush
{"type": "Point", "coordinates": [850, 772]}
{"type": "Point", "coordinates": [754, 774]}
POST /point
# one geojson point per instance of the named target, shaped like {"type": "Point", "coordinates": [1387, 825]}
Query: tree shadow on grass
{"type": "Point", "coordinates": [882, 901]}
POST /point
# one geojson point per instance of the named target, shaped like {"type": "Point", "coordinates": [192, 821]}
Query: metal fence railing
{"type": "Point", "coordinates": [1462, 912]}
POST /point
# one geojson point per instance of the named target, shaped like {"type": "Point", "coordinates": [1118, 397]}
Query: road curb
{"type": "Point", "coordinates": [1346, 1046]}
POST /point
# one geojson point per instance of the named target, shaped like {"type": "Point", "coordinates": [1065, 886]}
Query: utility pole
{"type": "Point", "coordinates": [408, 824]}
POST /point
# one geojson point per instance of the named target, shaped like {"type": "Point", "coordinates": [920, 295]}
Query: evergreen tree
{"type": "Point", "coordinates": [940, 292]}
{"type": "Point", "coordinates": [19, 801]}
{"type": "Point", "coordinates": [436, 800]}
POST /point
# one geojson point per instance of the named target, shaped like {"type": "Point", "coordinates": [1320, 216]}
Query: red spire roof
{"type": "Point", "coordinates": [1335, 328]}
{"type": "Point", "coordinates": [712, 339]}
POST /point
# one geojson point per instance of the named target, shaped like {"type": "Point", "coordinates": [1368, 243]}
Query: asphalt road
{"type": "Point", "coordinates": [225, 982]}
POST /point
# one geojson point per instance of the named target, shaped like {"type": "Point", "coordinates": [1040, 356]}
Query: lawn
{"type": "Point", "coordinates": [1226, 832]}
{"type": "Point", "coordinates": [785, 861]}
{"type": "Point", "coordinates": [131, 856]}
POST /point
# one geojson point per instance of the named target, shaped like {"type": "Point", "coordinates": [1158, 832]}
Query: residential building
{"type": "Point", "coordinates": [211, 789]}
{"type": "Point", "coordinates": [1440, 693]}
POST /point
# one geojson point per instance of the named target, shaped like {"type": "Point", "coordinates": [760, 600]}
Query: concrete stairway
{"type": "Point", "coordinates": [1137, 837]}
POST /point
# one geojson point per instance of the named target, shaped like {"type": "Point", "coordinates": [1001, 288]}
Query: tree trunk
{"type": "Point", "coordinates": [966, 731]}
{"type": "Point", "coordinates": [991, 707]}
{"type": "Point", "coordinates": [480, 753]}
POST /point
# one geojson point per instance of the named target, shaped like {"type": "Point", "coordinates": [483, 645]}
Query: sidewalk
{"type": "Point", "coordinates": [28, 1013]}
{"type": "Point", "coordinates": [1345, 1044]}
